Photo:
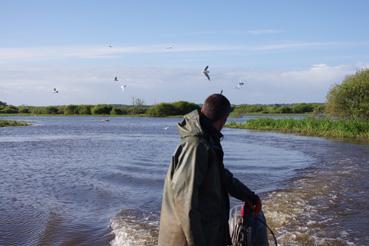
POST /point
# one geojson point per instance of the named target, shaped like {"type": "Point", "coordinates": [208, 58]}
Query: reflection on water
{"type": "Point", "coordinates": [82, 181]}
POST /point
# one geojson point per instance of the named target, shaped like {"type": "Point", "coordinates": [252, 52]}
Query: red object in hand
{"type": "Point", "coordinates": [257, 207]}
{"type": "Point", "coordinates": [252, 207]}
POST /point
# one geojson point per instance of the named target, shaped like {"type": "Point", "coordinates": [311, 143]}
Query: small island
{"type": "Point", "coordinates": [4, 123]}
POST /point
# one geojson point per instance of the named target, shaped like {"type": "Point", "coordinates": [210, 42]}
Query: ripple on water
{"type": "Point", "coordinates": [135, 227]}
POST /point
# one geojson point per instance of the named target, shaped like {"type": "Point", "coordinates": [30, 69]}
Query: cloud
{"type": "Point", "coordinates": [31, 54]}
{"type": "Point", "coordinates": [90, 84]}
{"type": "Point", "coordinates": [318, 74]}
{"type": "Point", "coordinates": [263, 31]}
{"type": "Point", "coordinates": [305, 85]}
{"type": "Point", "coordinates": [235, 32]}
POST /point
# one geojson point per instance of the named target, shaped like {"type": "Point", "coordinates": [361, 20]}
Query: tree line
{"type": "Point", "coordinates": [157, 110]}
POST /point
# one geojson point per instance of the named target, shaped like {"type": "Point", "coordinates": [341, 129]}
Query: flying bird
{"type": "Point", "coordinates": [123, 87]}
{"type": "Point", "coordinates": [110, 46]}
{"type": "Point", "coordinates": [116, 78]}
{"type": "Point", "coordinates": [206, 72]}
{"type": "Point", "coordinates": [55, 90]}
{"type": "Point", "coordinates": [240, 85]}
{"type": "Point", "coordinates": [169, 47]}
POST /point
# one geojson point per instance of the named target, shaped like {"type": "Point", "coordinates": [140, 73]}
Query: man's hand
{"type": "Point", "coordinates": [254, 203]}
{"type": "Point", "coordinates": [257, 205]}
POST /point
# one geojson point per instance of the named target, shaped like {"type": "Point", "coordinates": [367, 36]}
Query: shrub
{"type": "Point", "coordinates": [118, 111]}
{"type": "Point", "coordinates": [84, 109]}
{"type": "Point", "coordinates": [244, 109]}
{"type": "Point", "coordinates": [301, 108]}
{"type": "Point", "coordinates": [70, 109]}
{"type": "Point", "coordinates": [284, 110]}
{"type": "Point", "coordinates": [51, 110]}
{"type": "Point", "coordinates": [60, 109]}
{"type": "Point", "coordinates": [101, 109]}
{"type": "Point", "coordinates": [350, 99]}
{"type": "Point", "coordinates": [183, 107]}
{"type": "Point", "coordinates": [9, 109]}
{"type": "Point", "coordinates": [37, 110]}
{"type": "Point", "coordinates": [23, 110]}
{"type": "Point", "coordinates": [162, 109]}
{"type": "Point", "coordinates": [319, 109]}
{"type": "Point", "coordinates": [137, 110]}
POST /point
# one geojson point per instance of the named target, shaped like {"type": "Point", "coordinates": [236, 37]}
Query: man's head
{"type": "Point", "coordinates": [216, 108]}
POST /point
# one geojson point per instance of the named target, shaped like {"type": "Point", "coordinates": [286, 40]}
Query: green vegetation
{"type": "Point", "coordinates": [137, 108]}
{"type": "Point", "coordinates": [296, 108]}
{"type": "Point", "coordinates": [347, 102]}
{"type": "Point", "coordinates": [323, 127]}
{"type": "Point", "coordinates": [170, 109]}
{"type": "Point", "coordinates": [4, 123]}
{"type": "Point", "coordinates": [8, 109]}
{"type": "Point", "coordinates": [350, 99]}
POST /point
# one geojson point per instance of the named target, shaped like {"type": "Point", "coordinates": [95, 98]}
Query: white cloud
{"type": "Point", "coordinates": [263, 31]}
{"type": "Point", "coordinates": [318, 74]}
{"type": "Point", "coordinates": [236, 32]}
{"type": "Point", "coordinates": [91, 84]}
{"type": "Point", "coordinates": [32, 54]}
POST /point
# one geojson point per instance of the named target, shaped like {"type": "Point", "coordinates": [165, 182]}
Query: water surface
{"type": "Point", "coordinates": [86, 181]}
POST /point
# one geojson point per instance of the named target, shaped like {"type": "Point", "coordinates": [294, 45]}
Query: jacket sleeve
{"type": "Point", "coordinates": [187, 179]}
{"type": "Point", "coordinates": [236, 188]}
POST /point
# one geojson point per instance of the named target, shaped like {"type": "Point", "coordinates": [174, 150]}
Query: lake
{"type": "Point", "coordinates": [87, 181]}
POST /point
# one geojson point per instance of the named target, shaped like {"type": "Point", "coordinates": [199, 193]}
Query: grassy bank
{"type": "Point", "coordinates": [4, 123]}
{"type": "Point", "coordinates": [310, 126]}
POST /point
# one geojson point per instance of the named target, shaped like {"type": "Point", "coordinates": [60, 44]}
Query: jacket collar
{"type": "Point", "coordinates": [208, 127]}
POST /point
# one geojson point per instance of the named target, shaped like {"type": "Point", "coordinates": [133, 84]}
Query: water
{"type": "Point", "coordinates": [85, 181]}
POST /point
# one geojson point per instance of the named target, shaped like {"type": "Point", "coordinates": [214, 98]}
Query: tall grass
{"type": "Point", "coordinates": [4, 123]}
{"type": "Point", "coordinates": [323, 127]}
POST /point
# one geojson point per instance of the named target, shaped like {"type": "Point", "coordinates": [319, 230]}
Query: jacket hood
{"type": "Point", "coordinates": [191, 125]}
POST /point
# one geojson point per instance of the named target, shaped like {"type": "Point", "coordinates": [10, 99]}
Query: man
{"type": "Point", "coordinates": [195, 205]}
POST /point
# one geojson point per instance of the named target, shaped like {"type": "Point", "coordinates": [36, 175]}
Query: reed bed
{"type": "Point", "coordinates": [322, 127]}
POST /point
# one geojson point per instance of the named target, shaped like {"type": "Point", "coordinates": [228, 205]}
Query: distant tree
{"type": "Point", "coordinates": [118, 111]}
{"type": "Point", "coordinates": [350, 99]}
{"type": "Point", "coordinates": [137, 102]}
{"type": "Point", "coordinates": [2, 103]}
{"type": "Point", "coordinates": [84, 109]}
{"type": "Point", "coordinates": [23, 110]}
{"type": "Point", "coordinates": [162, 109]}
{"type": "Point", "coordinates": [9, 109]}
{"type": "Point", "coordinates": [300, 108]}
{"type": "Point", "coordinates": [183, 107]}
{"type": "Point", "coordinates": [101, 109]}
{"type": "Point", "coordinates": [319, 109]}
{"type": "Point", "coordinates": [138, 106]}
{"type": "Point", "coordinates": [51, 110]}
{"type": "Point", "coordinates": [284, 110]}
{"type": "Point", "coordinates": [70, 109]}
{"type": "Point", "coordinates": [60, 109]}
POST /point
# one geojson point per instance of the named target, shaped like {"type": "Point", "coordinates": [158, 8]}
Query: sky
{"type": "Point", "coordinates": [285, 51]}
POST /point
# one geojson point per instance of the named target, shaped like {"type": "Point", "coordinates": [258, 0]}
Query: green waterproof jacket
{"type": "Point", "coordinates": [195, 203]}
